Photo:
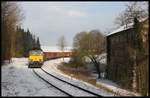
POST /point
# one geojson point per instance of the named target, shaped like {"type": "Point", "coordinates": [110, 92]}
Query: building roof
{"type": "Point", "coordinates": [55, 49]}
{"type": "Point", "coordinates": [122, 28]}
{"type": "Point", "coordinates": [125, 27]}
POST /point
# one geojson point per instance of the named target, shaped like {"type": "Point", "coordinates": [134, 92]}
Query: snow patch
{"type": "Point", "coordinates": [115, 88]}
{"type": "Point", "coordinates": [19, 80]}
{"type": "Point", "coordinates": [50, 66]}
{"type": "Point", "coordinates": [55, 49]}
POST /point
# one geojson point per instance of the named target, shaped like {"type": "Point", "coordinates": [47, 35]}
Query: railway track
{"type": "Point", "coordinates": [52, 84]}
{"type": "Point", "coordinates": [79, 91]}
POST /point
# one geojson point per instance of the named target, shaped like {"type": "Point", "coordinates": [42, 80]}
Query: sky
{"type": "Point", "coordinates": [51, 20]}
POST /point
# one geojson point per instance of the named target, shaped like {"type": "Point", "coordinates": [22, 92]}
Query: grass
{"type": "Point", "coordinates": [80, 74]}
{"type": "Point", "coordinates": [83, 75]}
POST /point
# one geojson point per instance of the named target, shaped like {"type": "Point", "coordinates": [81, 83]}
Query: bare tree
{"type": "Point", "coordinates": [11, 18]}
{"type": "Point", "coordinates": [133, 10]}
{"type": "Point", "coordinates": [62, 44]}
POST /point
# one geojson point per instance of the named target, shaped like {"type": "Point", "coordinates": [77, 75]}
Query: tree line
{"type": "Point", "coordinates": [15, 41]}
{"type": "Point", "coordinates": [25, 41]}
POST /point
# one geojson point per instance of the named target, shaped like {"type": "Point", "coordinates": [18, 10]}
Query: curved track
{"type": "Point", "coordinates": [77, 87]}
{"type": "Point", "coordinates": [52, 84]}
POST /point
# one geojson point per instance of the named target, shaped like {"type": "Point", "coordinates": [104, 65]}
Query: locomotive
{"type": "Point", "coordinates": [36, 58]}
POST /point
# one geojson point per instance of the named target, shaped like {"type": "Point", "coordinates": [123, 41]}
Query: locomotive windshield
{"type": "Point", "coordinates": [35, 52]}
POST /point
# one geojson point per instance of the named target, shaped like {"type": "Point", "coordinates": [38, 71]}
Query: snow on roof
{"type": "Point", "coordinates": [125, 27]}
{"type": "Point", "coordinates": [55, 49]}
{"type": "Point", "coordinates": [122, 28]}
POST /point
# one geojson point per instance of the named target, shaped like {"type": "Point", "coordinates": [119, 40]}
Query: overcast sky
{"type": "Point", "coordinates": [50, 20]}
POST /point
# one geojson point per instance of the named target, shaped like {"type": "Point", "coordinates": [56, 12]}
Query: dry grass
{"type": "Point", "coordinates": [80, 74]}
{"type": "Point", "coordinates": [83, 75]}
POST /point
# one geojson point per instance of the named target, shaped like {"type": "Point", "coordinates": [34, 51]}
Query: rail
{"type": "Point", "coordinates": [72, 84]}
{"type": "Point", "coordinates": [52, 84]}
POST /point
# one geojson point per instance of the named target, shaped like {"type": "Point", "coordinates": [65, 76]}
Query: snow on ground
{"type": "Point", "coordinates": [115, 88]}
{"type": "Point", "coordinates": [103, 80]}
{"type": "Point", "coordinates": [50, 66]}
{"type": "Point", "coordinates": [18, 80]}
{"type": "Point", "coordinates": [68, 88]}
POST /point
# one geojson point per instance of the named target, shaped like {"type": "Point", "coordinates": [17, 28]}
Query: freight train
{"type": "Point", "coordinates": [54, 55]}
{"type": "Point", "coordinates": [37, 57]}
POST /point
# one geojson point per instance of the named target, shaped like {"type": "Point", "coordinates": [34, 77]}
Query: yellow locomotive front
{"type": "Point", "coordinates": [36, 58]}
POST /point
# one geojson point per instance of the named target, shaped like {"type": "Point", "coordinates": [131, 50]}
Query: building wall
{"type": "Point", "coordinates": [119, 62]}
{"type": "Point", "coordinates": [118, 68]}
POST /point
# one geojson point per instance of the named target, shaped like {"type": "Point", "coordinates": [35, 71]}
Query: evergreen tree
{"type": "Point", "coordinates": [38, 43]}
